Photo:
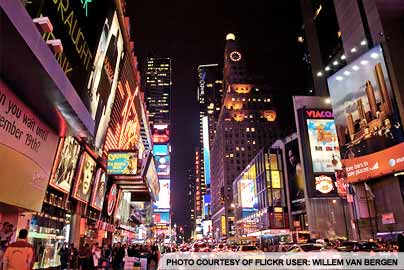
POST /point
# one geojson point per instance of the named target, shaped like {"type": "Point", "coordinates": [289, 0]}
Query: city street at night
{"type": "Point", "coordinates": [145, 135]}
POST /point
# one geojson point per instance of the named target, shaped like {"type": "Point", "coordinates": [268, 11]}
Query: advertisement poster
{"type": "Point", "coordinates": [112, 199]}
{"type": "Point", "coordinates": [366, 118]}
{"type": "Point", "coordinates": [163, 165]}
{"type": "Point", "coordinates": [163, 201]}
{"type": "Point", "coordinates": [27, 150]}
{"type": "Point", "coordinates": [65, 164]}
{"type": "Point", "coordinates": [247, 192]}
{"type": "Point", "coordinates": [152, 179]}
{"type": "Point", "coordinates": [323, 145]}
{"type": "Point", "coordinates": [84, 179]}
{"type": "Point", "coordinates": [123, 163]}
{"type": "Point", "coordinates": [295, 171]}
{"type": "Point", "coordinates": [100, 186]}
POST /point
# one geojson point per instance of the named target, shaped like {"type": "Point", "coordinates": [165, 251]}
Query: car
{"type": "Point", "coordinates": [310, 247]}
{"type": "Point", "coordinates": [348, 246]}
{"type": "Point", "coordinates": [200, 247]}
{"type": "Point", "coordinates": [247, 248]}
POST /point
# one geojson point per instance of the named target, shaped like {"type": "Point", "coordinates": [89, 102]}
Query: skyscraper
{"type": "Point", "coordinates": [210, 94]}
{"type": "Point", "coordinates": [247, 122]}
{"type": "Point", "coordinates": [158, 88]}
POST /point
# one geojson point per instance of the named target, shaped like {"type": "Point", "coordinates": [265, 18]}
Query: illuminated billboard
{"type": "Point", "coordinates": [162, 165]}
{"type": "Point", "coordinates": [100, 187]}
{"type": "Point", "coordinates": [122, 163]}
{"type": "Point", "coordinates": [104, 76]}
{"type": "Point", "coordinates": [323, 141]}
{"type": "Point", "coordinates": [150, 173]}
{"type": "Point", "coordinates": [206, 151]}
{"type": "Point", "coordinates": [92, 51]}
{"type": "Point", "coordinates": [161, 134]}
{"type": "Point", "coordinates": [124, 128]}
{"type": "Point", "coordinates": [163, 201]}
{"type": "Point", "coordinates": [295, 170]}
{"type": "Point", "coordinates": [65, 164]}
{"type": "Point", "coordinates": [247, 191]}
{"type": "Point", "coordinates": [160, 149]}
{"type": "Point", "coordinates": [84, 178]}
{"type": "Point", "coordinates": [368, 125]}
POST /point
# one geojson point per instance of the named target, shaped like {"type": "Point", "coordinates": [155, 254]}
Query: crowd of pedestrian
{"type": "Point", "coordinates": [106, 257]}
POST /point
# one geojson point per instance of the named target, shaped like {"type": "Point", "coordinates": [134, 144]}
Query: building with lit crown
{"type": "Point", "coordinates": [247, 122]}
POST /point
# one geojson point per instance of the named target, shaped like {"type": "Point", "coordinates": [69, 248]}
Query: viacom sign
{"type": "Point", "coordinates": [319, 114]}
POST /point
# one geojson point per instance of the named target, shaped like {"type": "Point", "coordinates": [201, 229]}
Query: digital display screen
{"type": "Point", "coordinates": [324, 146]}
{"type": "Point", "coordinates": [206, 150]}
{"type": "Point", "coordinates": [160, 149]}
{"type": "Point", "coordinates": [247, 192]}
{"type": "Point", "coordinates": [163, 201]}
{"type": "Point", "coordinates": [162, 165]}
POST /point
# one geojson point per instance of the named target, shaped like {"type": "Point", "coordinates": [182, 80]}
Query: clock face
{"type": "Point", "coordinates": [235, 56]}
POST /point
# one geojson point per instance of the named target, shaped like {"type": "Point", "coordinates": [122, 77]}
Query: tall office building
{"type": "Point", "coordinates": [158, 90]}
{"type": "Point", "coordinates": [210, 94]}
{"type": "Point", "coordinates": [247, 122]}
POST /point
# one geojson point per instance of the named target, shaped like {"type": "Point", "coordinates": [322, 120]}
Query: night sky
{"type": "Point", "coordinates": [193, 33]}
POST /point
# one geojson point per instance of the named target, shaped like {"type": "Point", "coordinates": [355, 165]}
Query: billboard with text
{"type": "Point", "coordinates": [366, 118]}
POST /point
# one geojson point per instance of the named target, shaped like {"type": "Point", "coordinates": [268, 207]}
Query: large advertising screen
{"type": "Point", "coordinates": [247, 191]}
{"type": "Point", "coordinates": [162, 165]}
{"type": "Point", "coordinates": [100, 187]}
{"type": "Point", "coordinates": [163, 201]}
{"type": "Point", "coordinates": [206, 150]}
{"type": "Point", "coordinates": [84, 178]}
{"type": "Point", "coordinates": [295, 170]}
{"type": "Point", "coordinates": [366, 118]}
{"type": "Point", "coordinates": [65, 164]}
{"type": "Point", "coordinates": [160, 149]}
{"type": "Point", "coordinates": [323, 141]}
{"type": "Point", "coordinates": [122, 163]}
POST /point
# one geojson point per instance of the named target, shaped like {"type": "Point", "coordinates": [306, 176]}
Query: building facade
{"type": "Point", "coordinates": [247, 122]}
{"type": "Point", "coordinates": [367, 54]}
{"type": "Point", "coordinates": [259, 198]}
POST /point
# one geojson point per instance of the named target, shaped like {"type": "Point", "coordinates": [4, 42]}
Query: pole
{"type": "Point", "coordinates": [346, 225]}
{"type": "Point", "coordinates": [370, 218]}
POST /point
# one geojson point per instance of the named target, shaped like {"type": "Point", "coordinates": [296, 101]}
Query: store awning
{"type": "Point", "coordinates": [29, 67]}
{"type": "Point", "coordinates": [136, 185]}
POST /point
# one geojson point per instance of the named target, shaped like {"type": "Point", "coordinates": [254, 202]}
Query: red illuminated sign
{"type": "Point", "coordinates": [374, 165]}
{"type": "Point", "coordinates": [112, 199]}
{"type": "Point", "coordinates": [124, 129]}
{"type": "Point", "coordinates": [319, 114]}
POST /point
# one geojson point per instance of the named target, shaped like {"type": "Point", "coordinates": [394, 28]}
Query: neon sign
{"type": "Point", "coordinates": [124, 130]}
{"type": "Point", "coordinates": [319, 114]}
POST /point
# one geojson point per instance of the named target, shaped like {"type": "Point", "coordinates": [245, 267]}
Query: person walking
{"type": "Point", "coordinates": [85, 258]}
{"type": "Point", "coordinates": [19, 255]}
{"type": "Point", "coordinates": [400, 240]}
{"type": "Point", "coordinates": [73, 255]}
{"type": "Point", "coordinates": [118, 256]}
{"type": "Point", "coordinates": [106, 254]}
{"type": "Point", "coordinates": [96, 256]}
{"type": "Point", "coordinates": [64, 256]}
